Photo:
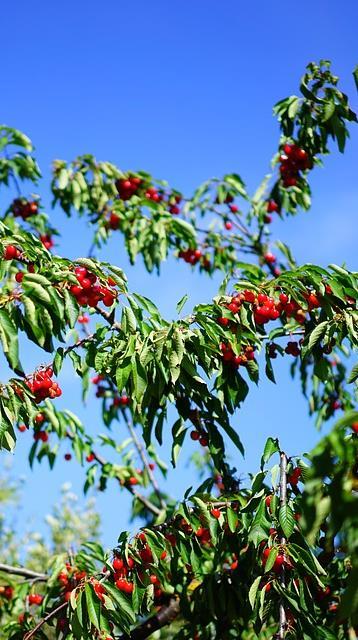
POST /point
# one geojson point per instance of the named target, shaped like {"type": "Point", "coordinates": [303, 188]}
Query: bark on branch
{"type": "Point", "coordinates": [163, 617]}
{"type": "Point", "coordinates": [25, 573]}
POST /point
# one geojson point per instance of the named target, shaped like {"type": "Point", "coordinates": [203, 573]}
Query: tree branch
{"type": "Point", "coordinates": [141, 452]}
{"type": "Point", "coordinates": [283, 501]}
{"type": "Point", "coordinates": [25, 573]}
{"type": "Point", "coordinates": [164, 616]}
{"type": "Point", "coordinates": [50, 615]}
{"type": "Point", "coordinates": [145, 501]}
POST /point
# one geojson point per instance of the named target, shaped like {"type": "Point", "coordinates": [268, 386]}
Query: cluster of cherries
{"type": "Point", "coordinates": [128, 187]}
{"type": "Point", "coordinates": [90, 292]}
{"type": "Point", "coordinates": [293, 160]}
{"type": "Point", "coordinates": [69, 579]}
{"type": "Point", "coordinates": [229, 356]}
{"type": "Point", "coordinates": [266, 308]}
{"type": "Point", "coordinates": [22, 208]}
{"type": "Point", "coordinates": [42, 386]}
{"type": "Point", "coordinates": [193, 256]}
{"type": "Point", "coordinates": [118, 401]}
{"type": "Point", "coordinates": [200, 435]}
{"type": "Point", "coordinates": [123, 568]}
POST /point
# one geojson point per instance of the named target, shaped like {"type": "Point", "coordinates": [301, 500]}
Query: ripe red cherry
{"type": "Point", "coordinates": [153, 579]}
{"type": "Point", "coordinates": [11, 252]}
{"type": "Point", "coordinates": [203, 441]}
{"type": "Point", "coordinates": [132, 481]}
{"type": "Point", "coordinates": [268, 500]}
{"type": "Point", "coordinates": [269, 258]}
{"type": "Point", "coordinates": [114, 221]}
{"type": "Point", "coordinates": [283, 298]}
{"type": "Point", "coordinates": [228, 225]}
{"type": "Point", "coordinates": [90, 457]}
{"type": "Point", "coordinates": [67, 456]}
{"type": "Point", "coordinates": [216, 513]}
{"type": "Point", "coordinates": [19, 276]}
{"type": "Point", "coordinates": [355, 427]}
{"type": "Point", "coordinates": [271, 206]}
{"type": "Point", "coordinates": [118, 564]}
{"type": "Point", "coordinates": [224, 322]}
{"type": "Point", "coordinates": [35, 598]}
{"type": "Point", "coordinates": [39, 418]}
{"type": "Point", "coordinates": [22, 428]}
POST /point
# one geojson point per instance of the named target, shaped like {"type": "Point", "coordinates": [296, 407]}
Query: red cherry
{"type": "Point", "coordinates": [90, 457]}
{"type": "Point", "coordinates": [67, 456]}
{"type": "Point", "coordinates": [132, 481]}
{"type": "Point", "coordinates": [118, 564]}
{"type": "Point", "coordinates": [268, 501]}
{"type": "Point", "coordinates": [224, 322]}
{"type": "Point", "coordinates": [271, 206]}
{"type": "Point", "coordinates": [39, 418]}
{"type": "Point", "coordinates": [355, 427]}
{"type": "Point", "coordinates": [216, 513]}
{"type": "Point", "coordinates": [11, 252]}
{"type": "Point", "coordinates": [203, 441]}
{"type": "Point", "coordinates": [234, 208]}
{"type": "Point", "coordinates": [22, 428]}
{"type": "Point", "coordinates": [269, 258]}
{"type": "Point", "coordinates": [228, 225]}
{"type": "Point", "coordinates": [195, 435]}
{"type": "Point", "coordinates": [153, 579]}
{"type": "Point", "coordinates": [19, 276]}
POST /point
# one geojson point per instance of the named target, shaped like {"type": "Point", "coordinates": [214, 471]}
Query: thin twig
{"type": "Point", "coordinates": [50, 615]}
{"type": "Point", "coordinates": [145, 501]}
{"type": "Point", "coordinates": [141, 452]}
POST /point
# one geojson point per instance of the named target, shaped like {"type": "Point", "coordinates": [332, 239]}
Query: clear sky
{"type": "Point", "coordinates": [184, 90]}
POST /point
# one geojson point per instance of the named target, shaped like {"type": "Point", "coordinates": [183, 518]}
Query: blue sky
{"type": "Point", "coordinates": [184, 90]}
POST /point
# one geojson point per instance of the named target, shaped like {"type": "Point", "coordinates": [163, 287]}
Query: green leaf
{"type": "Point", "coordinates": [271, 559]}
{"type": "Point", "coordinates": [232, 519]}
{"type": "Point", "coordinates": [93, 606]}
{"type": "Point", "coordinates": [353, 374]}
{"type": "Point", "coordinates": [317, 333]}
{"type": "Point", "coordinates": [253, 591]}
{"type": "Point", "coordinates": [181, 303]}
{"type": "Point", "coordinates": [286, 520]}
{"type": "Point", "coordinates": [271, 447]}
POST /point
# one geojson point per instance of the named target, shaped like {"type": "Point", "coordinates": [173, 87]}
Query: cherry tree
{"type": "Point", "coordinates": [273, 558]}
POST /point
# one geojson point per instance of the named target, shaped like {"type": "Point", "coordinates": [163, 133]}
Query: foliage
{"type": "Point", "coordinates": [285, 543]}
